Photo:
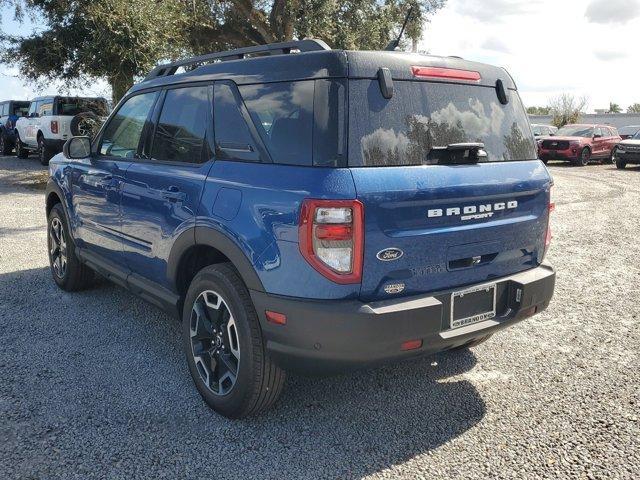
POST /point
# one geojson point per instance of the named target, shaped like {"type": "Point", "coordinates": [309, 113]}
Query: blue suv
{"type": "Point", "coordinates": [302, 208]}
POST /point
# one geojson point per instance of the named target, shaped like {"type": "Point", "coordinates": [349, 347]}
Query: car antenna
{"type": "Point", "coordinates": [393, 44]}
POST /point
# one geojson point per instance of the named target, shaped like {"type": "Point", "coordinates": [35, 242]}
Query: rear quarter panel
{"type": "Point", "coordinates": [258, 207]}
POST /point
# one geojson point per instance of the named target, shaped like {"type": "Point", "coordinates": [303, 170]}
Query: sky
{"type": "Point", "coordinates": [584, 47]}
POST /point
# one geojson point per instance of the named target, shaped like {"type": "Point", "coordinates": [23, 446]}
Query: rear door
{"type": "Point", "coordinates": [161, 191]}
{"type": "Point", "coordinates": [431, 224]}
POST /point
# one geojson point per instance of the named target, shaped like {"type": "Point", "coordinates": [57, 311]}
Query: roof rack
{"type": "Point", "coordinates": [296, 46]}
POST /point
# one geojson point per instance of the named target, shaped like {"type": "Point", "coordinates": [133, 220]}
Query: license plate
{"type": "Point", "coordinates": [473, 305]}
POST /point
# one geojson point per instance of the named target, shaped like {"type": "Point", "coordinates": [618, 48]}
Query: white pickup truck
{"type": "Point", "coordinates": [51, 121]}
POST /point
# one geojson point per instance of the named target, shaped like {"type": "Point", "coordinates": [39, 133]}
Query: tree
{"type": "Point", "coordinates": [121, 40]}
{"type": "Point", "coordinates": [566, 108]}
{"type": "Point", "coordinates": [614, 108]}
{"type": "Point", "coordinates": [635, 108]}
{"type": "Point", "coordinates": [538, 110]}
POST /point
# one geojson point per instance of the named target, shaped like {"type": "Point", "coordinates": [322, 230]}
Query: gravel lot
{"type": "Point", "coordinates": [94, 384]}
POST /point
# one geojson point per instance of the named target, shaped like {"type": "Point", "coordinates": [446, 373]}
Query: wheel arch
{"type": "Point", "coordinates": [199, 247]}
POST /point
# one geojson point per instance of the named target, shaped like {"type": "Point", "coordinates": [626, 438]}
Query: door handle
{"type": "Point", "coordinates": [173, 194]}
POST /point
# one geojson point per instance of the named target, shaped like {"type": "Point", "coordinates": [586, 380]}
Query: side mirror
{"type": "Point", "coordinates": [77, 148]}
{"type": "Point", "coordinates": [597, 135]}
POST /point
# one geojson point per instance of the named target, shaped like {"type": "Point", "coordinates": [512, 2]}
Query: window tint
{"type": "Point", "coordinates": [283, 115]}
{"type": "Point", "coordinates": [181, 132]}
{"type": "Point", "coordinates": [233, 137]}
{"type": "Point", "coordinates": [421, 116]}
{"type": "Point", "coordinates": [122, 135]}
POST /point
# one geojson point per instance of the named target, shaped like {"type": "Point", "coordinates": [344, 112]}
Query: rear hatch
{"type": "Point", "coordinates": [438, 222]}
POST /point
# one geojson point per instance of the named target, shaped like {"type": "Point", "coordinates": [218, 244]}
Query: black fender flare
{"type": "Point", "coordinates": [53, 187]}
{"type": "Point", "coordinates": [213, 238]}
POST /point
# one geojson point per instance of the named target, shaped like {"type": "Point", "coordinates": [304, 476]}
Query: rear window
{"type": "Point", "coordinates": [72, 106]}
{"type": "Point", "coordinates": [20, 109]}
{"type": "Point", "coordinates": [402, 130]}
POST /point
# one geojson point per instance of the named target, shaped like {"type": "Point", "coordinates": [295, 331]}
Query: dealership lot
{"type": "Point", "coordinates": [94, 384]}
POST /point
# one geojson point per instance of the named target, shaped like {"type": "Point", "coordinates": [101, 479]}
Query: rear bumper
{"type": "Point", "coordinates": [333, 336]}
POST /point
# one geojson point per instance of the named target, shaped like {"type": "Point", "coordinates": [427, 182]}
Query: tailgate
{"type": "Point", "coordinates": [430, 228]}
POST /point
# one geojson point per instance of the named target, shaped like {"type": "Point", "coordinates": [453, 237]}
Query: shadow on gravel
{"type": "Point", "coordinates": [94, 384]}
{"type": "Point", "coordinates": [18, 174]}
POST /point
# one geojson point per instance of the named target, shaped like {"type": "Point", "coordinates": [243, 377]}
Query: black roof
{"type": "Point", "coordinates": [322, 63]}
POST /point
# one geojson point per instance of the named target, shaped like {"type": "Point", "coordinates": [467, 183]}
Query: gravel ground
{"type": "Point", "coordinates": [94, 384]}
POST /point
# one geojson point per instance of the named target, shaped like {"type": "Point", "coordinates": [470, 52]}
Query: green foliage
{"type": "Point", "coordinates": [120, 40]}
{"type": "Point", "coordinates": [635, 108]}
{"type": "Point", "coordinates": [538, 110]}
{"type": "Point", "coordinates": [614, 108]}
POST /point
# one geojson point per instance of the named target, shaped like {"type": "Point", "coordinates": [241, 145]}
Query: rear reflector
{"type": "Point", "coordinates": [275, 317]}
{"type": "Point", "coordinates": [411, 345]}
{"type": "Point", "coordinates": [446, 73]}
{"type": "Point", "coordinates": [54, 126]}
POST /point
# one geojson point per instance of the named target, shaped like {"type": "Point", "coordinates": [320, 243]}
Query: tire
{"type": "Point", "coordinates": [473, 343]}
{"type": "Point", "coordinates": [232, 342]}
{"type": "Point", "coordinates": [5, 148]}
{"type": "Point", "coordinates": [68, 272]}
{"type": "Point", "coordinates": [44, 152]}
{"type": "Point", "coordinates": [612, 157]}
{"type": "Point", "coordinates": [85, 124]}
{"type": "Point", "coordinates": [21, 151]}
{"type": "Point", "coordinates": [620, 164]}
{"type": "Point", "coordinates": [585, 156]}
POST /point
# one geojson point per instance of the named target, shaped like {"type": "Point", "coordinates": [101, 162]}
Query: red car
{"type": "Point", "coordinates": [580, 143]}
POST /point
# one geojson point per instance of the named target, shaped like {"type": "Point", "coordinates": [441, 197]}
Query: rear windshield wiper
{"type": "Point", "coordinates": [457, 154]}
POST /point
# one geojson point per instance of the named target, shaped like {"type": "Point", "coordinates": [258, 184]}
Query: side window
{"type": "Point", "coordinates": [45, 107]}
{"type": "Point", "coordinates": [182, 127]}
{"type": "Point", "coordinates": [3, 109]}
{"type": "Point", "coordinates": [121, 136]}
{"type": "Point", "coordinates": [33, 108]}
{"type": "Point", "coordinates": [283, 114]}
{"type": "Point", "coordinates": [233, 137]}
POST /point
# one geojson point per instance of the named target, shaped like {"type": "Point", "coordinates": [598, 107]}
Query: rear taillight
{"type": "Point", "coordinates": [54, 126]}
{"type": "Point", "coordinates": [446, 73]}
{"type": "Point", "coordinates": [331, 236]}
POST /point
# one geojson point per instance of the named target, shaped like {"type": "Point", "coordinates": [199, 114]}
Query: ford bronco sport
{"type": "Point", "coordinates": [309, 209]}
{"type": "Point", "coordinates": [53, 120]}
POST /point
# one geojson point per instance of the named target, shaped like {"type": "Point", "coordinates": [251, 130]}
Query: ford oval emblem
{"type": "Point", "coordinates": [389, 254]}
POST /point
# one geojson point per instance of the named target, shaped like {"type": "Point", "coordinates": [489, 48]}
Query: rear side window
{"type": "Point", "coordinates": [45, 107]}
{"type": "Point", "coordinates": [403, 130]}
{"type": "Point", "coordinates": [181, 133]}
{"type": "Point", "coordinates": [283, 115]}
{"type": "Point", "coordinates": [300, 123]}
{"type": "Point", "coordinates": [74, 105]}
{"type": "Point", "coordinates": [233, 137]}
{"type": "Point", "coordinates": [122, 134]}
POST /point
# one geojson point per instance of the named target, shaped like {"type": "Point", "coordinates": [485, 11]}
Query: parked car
{"type": "Point", "coordinates": [580, 144]}
{"type": "Point", "coordinates": [629, 131]}
{"type": "Point", "coordinates": [10, 112]}
{"type": "Point", "coordinates": [543, 130]}
{"type": "Point", "coordinates": [628, 151]}
{"type": "Point", "coordinates": [298, 210]}
{"type": "Point", "coordinates": [53, 120]}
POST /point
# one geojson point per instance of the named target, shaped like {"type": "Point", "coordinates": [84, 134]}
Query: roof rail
{"type": "Point", "coordinates": [295, 46]}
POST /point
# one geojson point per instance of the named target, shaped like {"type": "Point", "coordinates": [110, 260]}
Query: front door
{"type": "Point", "coordinates": [161, 192]}
{"type": "Point", "coordinates": [97, 181]}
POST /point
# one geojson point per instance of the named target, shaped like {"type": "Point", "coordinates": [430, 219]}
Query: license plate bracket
{"type": "Point", "coordinates": [473, 305]}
